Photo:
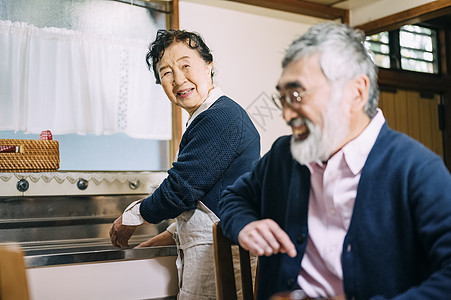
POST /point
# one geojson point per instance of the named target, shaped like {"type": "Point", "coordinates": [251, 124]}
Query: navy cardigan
{"type": "Point", "coordinates": [399, 241]}
{"type": "Point", "coordinates": [218, 146]}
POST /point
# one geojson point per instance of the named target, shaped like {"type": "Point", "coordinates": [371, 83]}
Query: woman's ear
{"type": "Point", "coordinates": [210, 68]}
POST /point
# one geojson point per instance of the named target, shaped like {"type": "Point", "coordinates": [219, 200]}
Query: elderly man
{"type": "Point", "coordinates": [345, 207]}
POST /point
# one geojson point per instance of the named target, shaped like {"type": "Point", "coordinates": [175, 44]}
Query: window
{"type": "Point", "coordinates": [119, 144]}
{"type": "Point", "coordinates": [417, 45]}
{"type": "Point", "coordinates": [411, 48]}
{"type": "Point", "coordinates": [378, 44]}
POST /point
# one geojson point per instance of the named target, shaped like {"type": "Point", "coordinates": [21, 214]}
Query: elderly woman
{"type": "Point", "coordinates": [220, 144]}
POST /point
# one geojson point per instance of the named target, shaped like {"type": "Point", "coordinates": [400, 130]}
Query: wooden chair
{"type": "Point", "coordinates": [225, 274]}
{"type": "Point", "coordinates": [13, 279]}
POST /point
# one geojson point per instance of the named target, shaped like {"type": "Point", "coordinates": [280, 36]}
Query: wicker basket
{"type": "Point", "coordinates": [33, 156]}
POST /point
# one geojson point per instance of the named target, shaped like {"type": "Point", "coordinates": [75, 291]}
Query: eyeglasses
{"type": "Point", "coordinates": [292, 99]}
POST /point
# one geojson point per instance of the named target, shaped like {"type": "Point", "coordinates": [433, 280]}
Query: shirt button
{"type": "Point", "coordinates": [301, 238]}
{"type": "Point", "coordinates": [348, 249]}
{"type": "Point", "coordinates": [291, 283]}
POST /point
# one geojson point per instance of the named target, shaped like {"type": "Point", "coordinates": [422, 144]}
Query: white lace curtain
{"type": "Point", "coordinates": [72, 82]}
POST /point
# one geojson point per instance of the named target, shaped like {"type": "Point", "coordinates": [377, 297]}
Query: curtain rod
{"type": "Point", "coordinates": [162, 6]}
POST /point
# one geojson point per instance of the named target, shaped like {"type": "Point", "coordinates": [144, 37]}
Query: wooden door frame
{"type": "Point", "coordinates": [172, 22]}
{"type": "Point", "coordinates": [418, 81]}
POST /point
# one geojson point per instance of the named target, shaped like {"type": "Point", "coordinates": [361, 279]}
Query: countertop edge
{"type": "Point", "coordinates": [93, 256]}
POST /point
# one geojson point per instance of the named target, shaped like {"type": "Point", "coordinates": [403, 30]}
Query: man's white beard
{"type": "Point", "coordinates": [321, 144]}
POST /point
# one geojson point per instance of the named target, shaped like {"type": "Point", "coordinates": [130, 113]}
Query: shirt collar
{"type": "Point", "coordinates": [356, 151]}
{"type": "Point", "coordinates": [214, 95]}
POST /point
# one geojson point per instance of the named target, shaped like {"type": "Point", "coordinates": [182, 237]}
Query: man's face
{"type": "Point", "coordinates": [319, 121]}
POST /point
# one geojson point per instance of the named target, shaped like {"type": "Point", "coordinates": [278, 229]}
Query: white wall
{"type": "Point", "coordinates": [248, 44]}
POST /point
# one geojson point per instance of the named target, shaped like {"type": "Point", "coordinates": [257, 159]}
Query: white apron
{"type": "Point", "coordinates": [195, 261]}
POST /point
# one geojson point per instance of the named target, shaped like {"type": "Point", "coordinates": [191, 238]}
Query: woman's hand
{"type": "Point", "coordinates": [120, 234]}
{"type": "Point", "coordinates": [265, 237]}
{"type": "Point", "coordinates": [162, 239]}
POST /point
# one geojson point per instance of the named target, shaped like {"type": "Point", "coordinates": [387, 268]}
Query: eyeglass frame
{"type": "Point", "coordinates": [298, 96]}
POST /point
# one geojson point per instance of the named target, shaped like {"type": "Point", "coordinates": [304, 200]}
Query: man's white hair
{"type": "Point", "coordinates": [342, 55]}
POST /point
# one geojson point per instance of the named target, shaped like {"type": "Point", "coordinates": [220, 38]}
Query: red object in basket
{"type": "Point", "coordinates": [46, 135]}
{"type": "Point", "coordinates": [8, 149]}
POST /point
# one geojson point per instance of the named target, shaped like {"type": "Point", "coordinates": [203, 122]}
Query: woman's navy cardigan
{"type": "Point", "coordinates": [218, 146]}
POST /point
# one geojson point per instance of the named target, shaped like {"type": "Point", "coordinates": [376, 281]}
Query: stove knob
{"type": "Point", "coordinates": [134, 184]}
{"type": "Point", "coordinates": [82, 184]}
{"type": "Point", "coordinates": [23, 185]}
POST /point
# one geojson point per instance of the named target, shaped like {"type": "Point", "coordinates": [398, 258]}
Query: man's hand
{"type": "Point", "coordinates": [120, 234]}
{"type": "Point", "coordinates": [265, 237]}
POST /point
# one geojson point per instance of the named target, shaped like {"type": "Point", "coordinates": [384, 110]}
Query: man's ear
{"type": "Point", "coordinates": [360, 90]}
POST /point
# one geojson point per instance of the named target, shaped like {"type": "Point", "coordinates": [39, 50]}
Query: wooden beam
{"type": "Point", "coordinates": [176, 110]}
{"type": "Point", "coordinates": [411, 16]}
{"type": "Point", "coordinates": [414, 80]}
{"type": "Point", "coordinates": [446, 101]}
{"type": "Point", "coordinates": [175, 15]}
{"type": "Point", "coordinates": [302, 7]}
{"type": "Point", "coordinates": [445, 38]}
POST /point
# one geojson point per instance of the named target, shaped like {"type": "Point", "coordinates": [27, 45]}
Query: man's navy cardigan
{"type": "Point", "coordinates": [399, 240]}
{"type": "Point", "coordinates": [219, 145]}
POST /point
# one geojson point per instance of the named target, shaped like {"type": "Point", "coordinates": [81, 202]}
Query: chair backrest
{"type": "Point", "coordinates": [13, 278]}
{"type": "Point", "coordinates": [226, 289]}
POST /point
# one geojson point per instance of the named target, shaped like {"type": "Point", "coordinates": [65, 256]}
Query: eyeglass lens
{"type": "Point", "coordinates": [292, 99]}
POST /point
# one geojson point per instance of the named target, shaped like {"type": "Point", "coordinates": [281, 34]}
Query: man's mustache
{"type": "Point", "coordinates": [296, 122]}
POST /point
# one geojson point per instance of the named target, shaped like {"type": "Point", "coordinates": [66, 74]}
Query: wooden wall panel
{"type": "Point", "coordinates": [407, 112]}
{"type": "Point", "coordinates": [413, 111]}
{"type": "Point", "coordinates": [400, 106]}
{"type": "Point", "coordinates": [387, 104]}
{"type": "Point", "coordinates": [437, 135]}
{"type": "Point", "coordinates": [425, 122]}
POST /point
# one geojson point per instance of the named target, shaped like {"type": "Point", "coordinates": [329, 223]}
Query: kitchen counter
{"type": "Point", "coordinates": [62, 221]}
{"type": "Point", "coordinates": [88, 252]}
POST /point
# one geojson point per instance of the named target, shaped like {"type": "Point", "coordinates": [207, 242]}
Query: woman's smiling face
{"type": "Point", "coordinates": [185, 76]}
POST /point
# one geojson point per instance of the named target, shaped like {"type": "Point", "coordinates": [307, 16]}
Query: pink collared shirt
{"type": "Point", "coordinates": [332, 196]}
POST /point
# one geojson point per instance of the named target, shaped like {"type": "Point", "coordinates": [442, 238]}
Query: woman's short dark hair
{"type": "Point", "coordinates": [166, 38]}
